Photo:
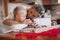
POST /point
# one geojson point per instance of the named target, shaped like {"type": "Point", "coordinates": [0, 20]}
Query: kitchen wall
{"type": "Point", "coordinates": [56, 12]}
{"type": "Point", "coordinates": [10, 8]}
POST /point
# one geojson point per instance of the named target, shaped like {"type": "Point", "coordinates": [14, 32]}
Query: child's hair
{"type": "Point", "coordinates": [15, 11]}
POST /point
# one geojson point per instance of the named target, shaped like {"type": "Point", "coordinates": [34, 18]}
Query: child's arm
{"type": "Point", "coordinates": [9, 22]}
{"type": "Point", "coordinates": [27, 21]}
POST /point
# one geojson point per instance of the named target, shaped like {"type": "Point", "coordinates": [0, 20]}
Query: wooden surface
{"type": "Point", "coordinates": [6, 7]}
{"type": "Point", "coordinates": [16, 1]}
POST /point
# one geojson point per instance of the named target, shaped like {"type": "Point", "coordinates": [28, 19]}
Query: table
{"type": "Point", "coordinates": [47, 35]}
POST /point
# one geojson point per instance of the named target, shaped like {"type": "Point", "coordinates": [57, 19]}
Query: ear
{"type": "Point", "coordinates": [17, 16]}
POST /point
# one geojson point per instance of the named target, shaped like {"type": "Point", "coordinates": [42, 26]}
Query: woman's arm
{"type": "Point", "coordinates": [10, 22]}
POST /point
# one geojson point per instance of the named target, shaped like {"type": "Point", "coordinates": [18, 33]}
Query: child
{"type": "Point", "coordinates": [19, 17]}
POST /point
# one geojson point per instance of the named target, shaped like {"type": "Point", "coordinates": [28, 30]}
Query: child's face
{"type": "Point", "coordinates": [22, 15]}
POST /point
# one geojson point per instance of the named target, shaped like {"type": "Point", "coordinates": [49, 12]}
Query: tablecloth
{"type": "Point", "coordinates": [49, 33]}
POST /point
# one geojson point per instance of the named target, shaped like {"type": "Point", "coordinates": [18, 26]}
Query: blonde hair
{"type": "Point", "coordinates": [15, 11]}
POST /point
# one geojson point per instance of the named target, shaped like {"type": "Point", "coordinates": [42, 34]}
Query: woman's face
{"type": "Point", "coordinates": [22, 15]}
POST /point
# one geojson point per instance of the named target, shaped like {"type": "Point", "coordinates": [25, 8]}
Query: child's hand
{"type": "Point", "coordinates": [27, 21]}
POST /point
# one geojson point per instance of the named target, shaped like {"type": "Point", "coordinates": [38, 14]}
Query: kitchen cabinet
{"type": "Point", "coordinates": [54, 1]}
{"type": "Point", "coordinates": [46, 2]}
{"type": "Point", "coordinates": [16, 1]}
{"type": "Point", "coordinates": [50, 2]}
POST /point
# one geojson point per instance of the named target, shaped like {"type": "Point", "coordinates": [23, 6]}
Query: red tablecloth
{"type": "Point", "coordinates": [50, 33]}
